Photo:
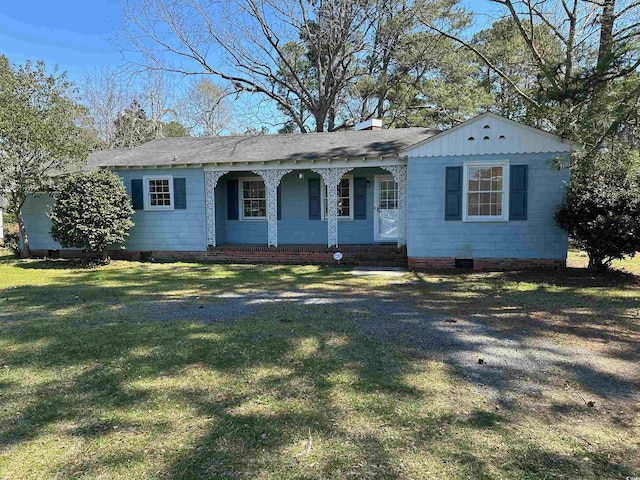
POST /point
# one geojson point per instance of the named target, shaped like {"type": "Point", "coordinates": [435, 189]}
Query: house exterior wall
{"type": "Point", "coordinates": [433, 241]}
{"type": "Point", "coordinates": [176, 230]}
{"type": "Point", "coordinates": [185, 230]}
{"type": "Point", "coordinates": [37, 223]}
{"type": "Point", "coordinates": [295, 227]}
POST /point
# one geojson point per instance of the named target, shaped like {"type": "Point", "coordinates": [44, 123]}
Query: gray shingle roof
{"type": "Point", "coordinates": [255, 148]}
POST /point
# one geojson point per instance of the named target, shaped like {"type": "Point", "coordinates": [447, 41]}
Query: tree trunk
{"type": "Point", "coordinates": [596, 263]}
{"type": "Point", "coordinates": [607, 18]}
{"type": "Point", "coordinates": [26, 251]}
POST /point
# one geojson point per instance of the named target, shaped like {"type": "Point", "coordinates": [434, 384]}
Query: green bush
{"type": "Point", "coordinates": [601, 207]}
{"type": "Point", "coordinates": [91, 211]}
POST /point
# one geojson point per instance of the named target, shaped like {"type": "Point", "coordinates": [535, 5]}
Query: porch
{"type": "Point", "coordinates": [300, 208]}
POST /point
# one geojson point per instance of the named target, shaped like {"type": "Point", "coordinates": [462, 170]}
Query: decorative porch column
{"type": "Point", "coordinates": [399, 173]}
{"type": "Point", "coordinates": [210, 181]}
{"type": "Point", "coordinates": [332, 177]}
{"type": "Point", "coordinates": [271, 181]}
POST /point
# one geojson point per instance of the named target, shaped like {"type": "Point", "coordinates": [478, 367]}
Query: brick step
{"type": "Point", "coordinates": [353, 255]}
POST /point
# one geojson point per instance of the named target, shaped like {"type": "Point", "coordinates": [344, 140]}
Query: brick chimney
{"type": "Point", "coordinates": [371, 124]}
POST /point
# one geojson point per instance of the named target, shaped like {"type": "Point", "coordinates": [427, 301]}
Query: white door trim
{"type": "Point", "coordinates": [376, 213]}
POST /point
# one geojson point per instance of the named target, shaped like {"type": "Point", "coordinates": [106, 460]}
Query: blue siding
{"type": "Point", "coordinates": [430, 235]}
{"type": "Point", "coordinates": [177, 230]}
{"type": "Point", "coordinates": [37, 223]}
{"type": "Point", "coordinates": [295, 226]}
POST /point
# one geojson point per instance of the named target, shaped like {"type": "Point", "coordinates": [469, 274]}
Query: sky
{"type": "Point", "coordinates": [73, 34]}
{"type": "Point", "coordinates": [77, 36]}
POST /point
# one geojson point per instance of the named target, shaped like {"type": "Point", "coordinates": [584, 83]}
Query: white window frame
{"type": "Point", "coordinates": [323, 201]}
{"type": "Point", "coordinates": [241, 181]}
{"type": "Point", "coordinates": [505, 191]}
{"type": "Point", "coordinates": [145, 191]}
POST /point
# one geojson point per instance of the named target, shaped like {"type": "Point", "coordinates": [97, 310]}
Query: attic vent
{"type": "Point", "coordinates": [486, 138]}
{"type": "Point", "coordinates": [470, 138]}
{"type": "Point", "coordinates": [486, 126]}
{"type": "Point", "coordinates": [502, 137]}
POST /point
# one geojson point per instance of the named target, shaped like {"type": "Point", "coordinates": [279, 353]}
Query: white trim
{"type": "Point", "coordinates": [505, 164]}
{"type": "Point", "coordinates": [145, 192]}
{"type": "Point", "coordinates": [241, 180]}
{"type": "Point", "coordinates": [323, 199]}
{"type": "Point", "coordinates": [376, 213]}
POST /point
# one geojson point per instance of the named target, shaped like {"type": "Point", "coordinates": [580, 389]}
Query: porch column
{"type": "Point", "coordinates": [271, 181]}
{"type": "Point", "coordinates": [210, 181]}
{"type": "Point", "coordinates": [399, 173]}
{"type": "Point", "coordinates": [332, 177]}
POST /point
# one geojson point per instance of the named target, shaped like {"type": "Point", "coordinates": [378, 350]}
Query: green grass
{"type": "Point", "coordinates": [580, 259]}
{"type": "Point", "coordinates": [95, 384]}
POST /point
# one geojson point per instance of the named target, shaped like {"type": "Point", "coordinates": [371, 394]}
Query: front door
{"type": "Point", "coordinates": [386, 213]}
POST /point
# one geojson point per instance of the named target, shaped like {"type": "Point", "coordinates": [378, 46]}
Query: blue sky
{"type": "Point", "coordinates": [73, 34]}
{"type": "Point", "coordinates": [77, 35]}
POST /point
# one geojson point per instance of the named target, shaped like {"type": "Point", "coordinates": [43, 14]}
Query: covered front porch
{"type": "Point", "coordinates": [332, 204]}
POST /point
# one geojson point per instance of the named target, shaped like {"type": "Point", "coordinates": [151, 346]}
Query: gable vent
{"type": "Point", "coordinates": [470, 138]}
{"type": "Point", "coordinates": [486, 138]}
{"type": "Point", "coordinates": [486, 127]}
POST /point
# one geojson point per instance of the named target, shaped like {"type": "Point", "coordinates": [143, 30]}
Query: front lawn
{"type": "Point", "coordinates": [182, 371]}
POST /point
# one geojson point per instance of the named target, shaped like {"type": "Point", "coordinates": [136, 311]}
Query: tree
{"type": "Point", "coordinates": [204, 108]}
{"type": "Point", "coordinates": [105, 94]}
{"type": "Point", "coordinates": [91, 211]}
{"type": "Point", "coordinates": [324, 64]}
{"type": "Point", "coordinates": [133, 128]}
{"type": "Point", "coordinates": [601, 207]}
{"type": "Point", "coordinates": [588, 90]}
{"type": "Point", "coordinates": [174, 129]}
{"type": "Point", "coordinates": [39, 133]}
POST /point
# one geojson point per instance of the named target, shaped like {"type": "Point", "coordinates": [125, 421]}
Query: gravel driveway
{"type": "Point", "coordinates": [503, 365]}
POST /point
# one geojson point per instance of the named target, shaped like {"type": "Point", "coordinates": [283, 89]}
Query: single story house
{"type": "Point", "coordinates": [480, 195]}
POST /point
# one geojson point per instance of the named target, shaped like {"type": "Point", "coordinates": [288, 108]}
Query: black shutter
{"type": "Point", "coordinates": [360, 198]}
{"type": "Point", "coordinates": [179, 193]}
{"type": "Point", "coordinates": [518, 185]}
{"type": "Point", "coordinates": [453, 194]}
{"type": "Point", "coordinates": [137, 194]}
{"type": "Point", "coordinates": [232, 199]}
{"type": "Point", "coordinates": [279, 200]}
{"type": "Point", "coordinates": [314, 199]}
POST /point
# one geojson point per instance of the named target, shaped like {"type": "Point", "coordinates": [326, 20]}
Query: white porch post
{"type": "Point", "coordinates": [271, 181]}
{"type": "Point", "coordinates": [210, 181]}
{"type": "Point", "coordinates": [332, 177]}
{"type": "Point", "coordinates": [399, 173]}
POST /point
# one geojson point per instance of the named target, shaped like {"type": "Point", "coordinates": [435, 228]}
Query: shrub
{"type": "Point", "coordinates": [601, 207]}
{"type": "Point", "coordinates": [91, 211]}
{"type": "Point", "coordinates": [12, 239]}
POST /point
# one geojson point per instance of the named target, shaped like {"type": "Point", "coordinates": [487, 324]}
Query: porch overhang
{"type": "Point", "coordinates": [308, 164]}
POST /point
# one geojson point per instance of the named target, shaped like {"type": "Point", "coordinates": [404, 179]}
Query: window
{"type": "Point", "coordinates": [158, 193]}
{"type": "Point", "coordinates": [253, 198]}
{"type": "Point", "coordinates": [345, 199]}
{"type": "Point", "coordinates": [485, 191]}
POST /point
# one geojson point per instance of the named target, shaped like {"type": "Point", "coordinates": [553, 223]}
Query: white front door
{"type": "Point", "coordinates": [386, 213]}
